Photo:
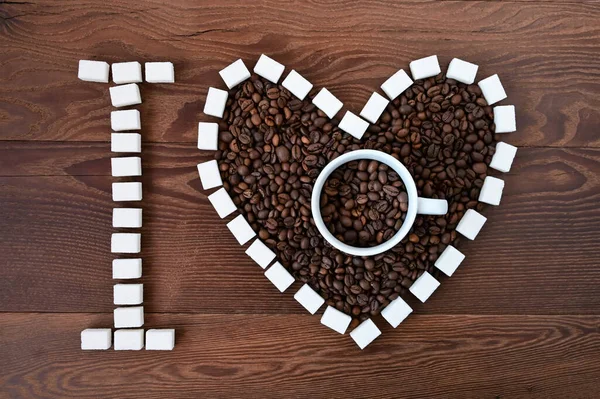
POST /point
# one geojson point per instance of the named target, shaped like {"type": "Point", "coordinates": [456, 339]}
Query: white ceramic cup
{"type": "Point", "coordinates": [416, 204]}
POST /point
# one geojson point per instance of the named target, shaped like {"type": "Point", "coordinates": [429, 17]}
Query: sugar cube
{"type": "Point", "coordinates": [424, 286]}
{"type": "Point", "coordinates": [234, 74]}
{"type": "Point", "coordinates": [93, 71]}
{"type": "Point", "coordinates": [396, 84]}
{"type": "Point", "coordinates": [449, 260]}
{"type": "Point", "coordinates": [240, 229]}
{"type": "Point", "coordinates": [96, 338]}
{"type": "Point", "coordinates": [160, 72]}
{"type": "Point", "coordinates": [505, 119]}
{"type": "Point", "coordinates": [268, 68]}
{"type": "Point", "coordinates": [491, 191]}
{"type": "Point", "coordinates": [425, 67]}
{"type": "Point", "coordinates": [132, 316]}
{"type": "Point", "coordinates": [209, 174]}
{"type": "Point", "coordinates": [297, 84]}
{"type": "Point", "coordinates": [125, 95]}
{"type": "Point", "coordinates": [162, 339]}
{"type": "Point", "coordinates": [222, 202]}
{"type": "Point", "coordinates": [127, 191]}
{"type": "Point", "coordinates": [396, 311]}
{"type": "Point", "coordinates": [353, 125]}
{"type": "Point", "coordinates": [432, 206]}
{"type": "Point", "coordinates": [327, 103]}
{"type": "Point", "coordinates": [462, 71]}
{"type": "Point", "coordinates": [208, 136]}
{"type": "Point", "coordinates": [126, 142]}
{"type": "Point", "coordinates": [128, 294]}
{"type": "Point", "coordinates": [336, 320]}
{"type": "Point", "coordinates": [127, 72]}
{"type": "Point", "coordinates": [503, 157]}
{"type": "Point", "coordinates": [129, 340]}
{"type": "Point", "coordinates": [365, 333]}
{"type": "Point", "coordinates": [279, 276]}
{"type": "Point", "coordinates": [309, 299]}
{"type": "Point", "coordinates": [126, 166]}
{"type": "Point", "coordinates": [123, 269]}
{"type": "Point", "coordinates": [127, 217]}
{"type": "Point", "coordinates": [125, 120]}
{"type": "Point", "coordinates": [374, 107]}
{"type": "Point", "coordinates": [492, 89]}
{"type": "Point", "coordinates": [470, 224]}
{"type": "Point", "coordinates": [260, 253]}
{"type": "Point", "coordinates": [125, 243]}
{"type": "Point", "coordinates": [216, 99]}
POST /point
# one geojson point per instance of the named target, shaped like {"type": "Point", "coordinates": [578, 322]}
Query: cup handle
{"type": "Point", "coordinates": [430, 206]}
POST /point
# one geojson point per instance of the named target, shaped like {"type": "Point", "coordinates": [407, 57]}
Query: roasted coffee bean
{"type": "Point", "coordinates": [273, 146]}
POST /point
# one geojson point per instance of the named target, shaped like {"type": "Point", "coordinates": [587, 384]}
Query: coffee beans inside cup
{"type": "Point", "coordinates": [363, 203]}
{"type": "Point", "coordinates": [272, 147]}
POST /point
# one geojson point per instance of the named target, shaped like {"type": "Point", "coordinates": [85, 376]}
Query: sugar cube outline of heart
{"type": "Point", "coordinates": [469, 226]}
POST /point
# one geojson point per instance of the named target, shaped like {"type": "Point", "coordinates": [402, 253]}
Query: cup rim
{"type": "Point", "coordinates": [375, 155]}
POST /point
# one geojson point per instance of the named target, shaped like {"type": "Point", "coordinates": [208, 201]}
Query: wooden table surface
{"type": "Point", "coordinates": [520, 318]}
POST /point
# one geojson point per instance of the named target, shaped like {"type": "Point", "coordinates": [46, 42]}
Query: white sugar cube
{"type": "Point", "coordinates": [279, 276]}
{"type": "Point", "coordinates": [241, 230]}
{"type": "Point", "coordinates": [491, 191]}
{"type": "Point", "coordinates": [492, 89]}
{"type": "Point", "coordinates": [336, 320]}
{"type": "Point", "coordinates": [129, 340]}
{"type": "Point", "coordinates": [234, 74]}
{"type": "Point", "coordinates": [260, 253]}
{"type": "Point", "coordinates": [126, 142]}
{"type": "Point", "coordinates": [353, 125]}
{"type": "Point", "coordinates": [505, 119]}
{"type": "Point", "coordinates": [503, 157]}
{"type": "Point", "coordinates": [125, 243]}
{"type": "Point", "coordinates": [425, 67]}
{"type": "Point", "coordinates": [327, 103]}
{"type": "Point", "coordinates": [123, 269]}
{"type": "Point", "coordinates": [162, 339]}
{"type": "Point", "coordinates": [128, 294]}
{"type": "Point", "coordinates": [127, 217]}
{"type": "Point", "coordinates": [449, 260]}
{"type": "Point", "coordinates": [424, 286]}
{"type": "Point", "coordinates": [309, 299]}
{"type": "Point", "coordinates": [396, 311]}
{"type": "Point", "coordinates": [297, 84]}
{"type": "Point", "coordinates": [160, 72]}
{"type": "Point", "coordinates": [396, 84]}
{"type": "Point", "coordinates": [470, 224]}
{"type": "Point", "coordinates": [93, 71]}
{"type": "Point", "coordinates": [462, 71]}
{"type": "Point", "coordinates": [374, 107]}
{"type": "Point", "coordinates": [96, 338]}
{"type": "Point", "coordinates": [222, 202]}
{"type": "Point", "coordinates": [127, 191]}
{"type": "Point", "coordinates": [216, 99]}
{"type": "Point", "coordinates": [125, 95]}
{"type": "Point", "coordinates": [209, 174]}
{"type": "Point", "coordinates": [126, 166]}
{"type": "Point", "coordinates": [127, 72]}
{"type": "Point", "coordinates": [268, 68]}
{"type": "Point", "coordinates": [128, 317]}
{"type": "Point", "coordinates": [208, 136]}
{"type": "Point", "coordinates": [125, 120]}
{"type": "Point", "coordinates": [365, 333]}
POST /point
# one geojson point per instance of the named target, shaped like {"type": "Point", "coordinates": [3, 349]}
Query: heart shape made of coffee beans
{"type": "Point", "coordinates": [272, 146]}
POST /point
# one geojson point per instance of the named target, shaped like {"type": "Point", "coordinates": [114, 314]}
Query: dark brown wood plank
{"type": "Point", "coordinates": [546, 54]}
{"type": "Point", "coordinates": [294, 357]}
{"type": "Point", "coordinates": [536, 254]}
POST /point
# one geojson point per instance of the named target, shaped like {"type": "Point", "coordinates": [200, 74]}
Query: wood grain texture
{"type": "Point", "coordinates": [519, 319]}
{"type": "Point", "coordinates": [292, 356]}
